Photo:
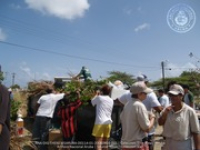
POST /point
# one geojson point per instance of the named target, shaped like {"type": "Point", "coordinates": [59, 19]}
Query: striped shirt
{"type": "Point", "coordinates": [68, 120]}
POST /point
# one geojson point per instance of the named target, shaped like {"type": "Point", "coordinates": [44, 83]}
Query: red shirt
{"type": "Point", "coordinates": [68, 120]}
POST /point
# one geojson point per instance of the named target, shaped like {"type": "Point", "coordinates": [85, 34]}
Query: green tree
{"type": "Point", "coordinates": [122, 76]}
{"type": "Point", "coordinates": [15, 86]}
{"type": "Point", "coordinates": [192, 79]}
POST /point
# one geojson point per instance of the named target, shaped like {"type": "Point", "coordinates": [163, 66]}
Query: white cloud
{"type": "Point", "coordinates": [65, 9]}
{"type": "Point", "coordinates": [27, 70]}
{"type": "Point", "coordinates": [34, 76]}
{"type": "Point", "coordinates": [144, 26]}
{"type": "Point", "coordinates": [3, 36]}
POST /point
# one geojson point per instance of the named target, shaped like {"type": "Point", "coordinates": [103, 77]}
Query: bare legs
{"type": "Point", "coordinates": [101, 143]}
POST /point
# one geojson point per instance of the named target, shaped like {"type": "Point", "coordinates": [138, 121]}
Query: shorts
{"type": "Point", "coordinates": [101, 130]}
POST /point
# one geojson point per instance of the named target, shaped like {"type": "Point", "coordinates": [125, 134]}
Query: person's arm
{"type": "Point", "coordinates": [196, 138]}
{"type": "Point", "coordinates": [155, 104]}
{"type": "Point", "coordinates": [77, 76]}
{"type": "Point", "coordinates": [118, 103]}
{"type": "Point", "coordinates": [152, 120]}
{"type": "Point", "coordinates": [163, 117]}
{"type": "Point", "coordinates": [145, 119]}
{"type": "Point", "coordinates": [76, 104]}
{"type": "Point", "coordinates": [158, 108]}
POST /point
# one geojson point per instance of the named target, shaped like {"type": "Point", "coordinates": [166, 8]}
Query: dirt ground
{"type": "Point", "coordinates": [158, 138]}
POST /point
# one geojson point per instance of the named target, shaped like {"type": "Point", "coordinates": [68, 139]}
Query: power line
{"type": "Point", "coordinates": [67, 55]}
{"type": "Point", "coordinates": [27, 28]}
{"type": "Point", "coordinates": [194, 56]}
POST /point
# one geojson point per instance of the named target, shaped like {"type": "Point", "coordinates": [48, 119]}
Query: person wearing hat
{"type": "Point", "coordinates": [152, 104]}
{"type": "Point", "coordinates": [136, 120]}
{"type": "Point", "coordinates": [180, 123]}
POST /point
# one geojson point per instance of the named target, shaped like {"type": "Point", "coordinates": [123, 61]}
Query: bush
{"type": "Point", "coordinates": [15, 105]}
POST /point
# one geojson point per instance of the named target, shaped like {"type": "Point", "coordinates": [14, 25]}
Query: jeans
{"type": "Point", "coordinates": [41, 132]}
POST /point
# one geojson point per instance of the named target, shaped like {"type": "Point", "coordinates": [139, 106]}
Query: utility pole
{"type": "Point", "coordinates": [163, 73]}
{"type": "Point", "coordinates": [13, 79]}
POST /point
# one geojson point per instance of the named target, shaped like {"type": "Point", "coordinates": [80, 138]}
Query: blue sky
{"type": "Point", "coordinates": [42, 39]}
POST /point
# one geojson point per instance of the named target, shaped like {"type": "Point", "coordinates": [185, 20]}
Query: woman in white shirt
{"type": "Point", "coordinates": [103, 121]}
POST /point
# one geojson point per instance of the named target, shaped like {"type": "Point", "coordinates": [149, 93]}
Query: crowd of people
{"type": "Point", "coordinates": [142, 110]}
{"type": "Point", "coordinates": [174, 110]}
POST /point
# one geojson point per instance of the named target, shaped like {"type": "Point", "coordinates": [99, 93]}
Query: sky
{"type": "Point", "coordinates": [43, 39]}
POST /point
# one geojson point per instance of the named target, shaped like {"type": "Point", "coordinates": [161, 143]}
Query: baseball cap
{"type": "Point", "coordinates": [139, 87]}
{"type": "Point", "coordinates": [142, 77]}
{"type": "Point", "coordinates": [176, 89]}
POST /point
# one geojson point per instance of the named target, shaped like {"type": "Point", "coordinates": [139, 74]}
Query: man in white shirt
{"type": "Point", "coordinates": [123, 99]}
{"type": "Point", "coordinates": [151, 102]}
{"type": "Point", "coordinates": [163, 98]}
{"type": "Point", "coordinates": [46, 106]}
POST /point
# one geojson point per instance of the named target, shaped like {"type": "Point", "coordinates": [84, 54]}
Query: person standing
{"type": "Point", "coordinates": [151, 101]}
{"type": "Point", "coordinates": [10, 94]}
{"type": "Point", "coordinates": [103, 121]}
{"type": "Point", "coordinates": [152, 104]}
{"type": "Point", "coordinates": [46, 107]}
{"type": "Point", "coordinates": [84, 74]}
{"type": "Point", "coordinates": [188, 96]}
{"type": "Point", "coordinates": [180, 123]}
{"type": "Point", "coordinates": [67, 113]}
{"type": "Point", "coordinates": [4, 118]}
{"type": "Point", "coordinates": [136, 120]}
{"type": "Point", "coordinates": [163, 98]}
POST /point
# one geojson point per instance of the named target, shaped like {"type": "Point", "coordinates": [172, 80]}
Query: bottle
{"type": "Point", "coordinates": [20, 125]}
